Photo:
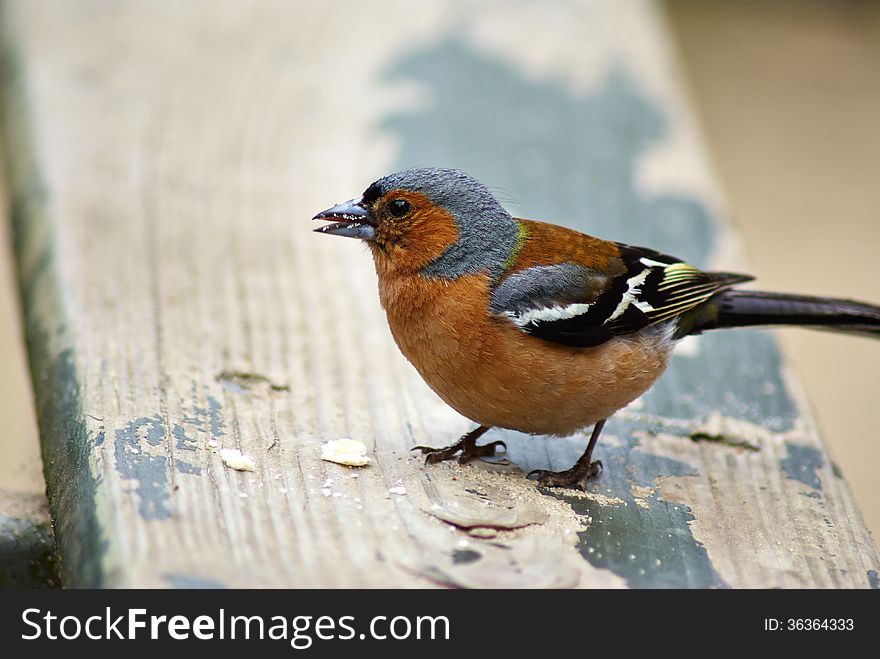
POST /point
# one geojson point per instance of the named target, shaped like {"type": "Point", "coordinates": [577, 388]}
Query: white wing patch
{"type": "Point", "coordinates": [633, 291]}
{"type": "Point", "coordinates": [547, 314]}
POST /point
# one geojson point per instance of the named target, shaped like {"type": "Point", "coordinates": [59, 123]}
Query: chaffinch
{"type": "Point", "coordinates": [538, 328]}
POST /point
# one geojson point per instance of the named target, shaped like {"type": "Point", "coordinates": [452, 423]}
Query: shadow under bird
{"type": "Point", "coordinates": [538, 328]}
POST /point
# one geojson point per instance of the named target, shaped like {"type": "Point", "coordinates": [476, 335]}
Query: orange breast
{"type": "Point", "coordinates": [493, 373]}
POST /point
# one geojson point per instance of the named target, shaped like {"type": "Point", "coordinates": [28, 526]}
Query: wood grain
{"type": "Point", "coordinates": [164, 161]}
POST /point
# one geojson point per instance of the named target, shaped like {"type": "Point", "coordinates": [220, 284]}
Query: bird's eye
{"type": "Point", "coordinates": [398, 207]}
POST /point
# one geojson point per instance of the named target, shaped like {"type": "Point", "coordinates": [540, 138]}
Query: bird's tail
{"type": "Point", "coordinates": [739, 308]}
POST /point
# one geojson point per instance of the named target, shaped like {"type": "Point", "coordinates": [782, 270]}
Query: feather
{"type": "Point", "coordinates": [578, 305]}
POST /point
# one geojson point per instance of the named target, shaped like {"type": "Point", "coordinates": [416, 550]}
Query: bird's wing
{"type": "Point", "coordinates": [576, 305]}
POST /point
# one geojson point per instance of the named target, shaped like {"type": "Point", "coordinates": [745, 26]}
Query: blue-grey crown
{"type": "Point", "coordinates": [487, 233]}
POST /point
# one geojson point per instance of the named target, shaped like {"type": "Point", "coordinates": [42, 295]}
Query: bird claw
{"type": "Point", "coordinates": [466, 452]}
{"type": "Point", "coordinates": [575, 478]}
{"type": "Point", "coordinates": [486, 450]}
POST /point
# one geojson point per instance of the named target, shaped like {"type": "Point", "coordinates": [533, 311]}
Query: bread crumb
{"type": "Point", "coordinates": [397, 489]}
{"type": "Point", "coordinates": [345, 451]}
{"type": "Point", "coordinates": [235, 459]}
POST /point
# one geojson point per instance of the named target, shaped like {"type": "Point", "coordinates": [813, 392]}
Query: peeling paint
{"type": "Point", "coordinates": [208, 418]}
{"type": "Point", "coordinates": [149, 471]}
{"type": "Point", "coordinates": [803, 463]}
{"type": "Point", "coordinates": [460, 556]}
{"type": "Point", "coordinates": [183, 443]}
{"type": "Point", "coordinates": [648, 542]}
{"type": "Point", "coordinates": [71, 484]}
{"type": "Point", "coordinates": [187, 468]}
{"type": "Point", "coordinates": [216, 424]}
{"type": "Point", "coordinates": [27, 553]}
{"type": "Point", "coordinates": [136, 460]}
{"type": "Point", "coordinates": [645, 539]}
{"type": "Point", "coordinates": [189, 581]}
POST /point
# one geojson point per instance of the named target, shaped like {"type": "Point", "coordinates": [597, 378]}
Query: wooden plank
{"type": "Point", "coordinates": [27, 549]}
{"type": "Point", "coordinates": [165, 160]}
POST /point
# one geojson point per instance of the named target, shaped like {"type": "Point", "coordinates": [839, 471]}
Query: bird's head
{"type": "Point", "coordinates": [440, 222]}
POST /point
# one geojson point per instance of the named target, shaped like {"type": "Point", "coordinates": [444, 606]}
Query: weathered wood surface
{"type": "Point", "coordinates": [165, 160]}
{"type": "Point", "coordinates": [27, 550]}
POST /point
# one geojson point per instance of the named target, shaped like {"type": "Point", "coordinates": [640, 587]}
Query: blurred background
{"type": "Point", "coordinates": [788, 98]}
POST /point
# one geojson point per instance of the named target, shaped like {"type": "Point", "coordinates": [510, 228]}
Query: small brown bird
{"type": "Point", "coordinates": [538, 328]}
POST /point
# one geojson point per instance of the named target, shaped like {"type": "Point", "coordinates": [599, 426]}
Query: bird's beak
{"type": "Point", "coordinates": [354, 220]}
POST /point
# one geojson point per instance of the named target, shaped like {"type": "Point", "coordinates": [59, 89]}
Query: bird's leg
{"type": "Point", "coordinates": [582, 471]}
{"type": "Point", "coordinates": [467, 445]}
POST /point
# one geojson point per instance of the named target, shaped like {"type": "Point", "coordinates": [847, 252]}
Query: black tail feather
{"type": "Point", "coordinates": [738, 308]}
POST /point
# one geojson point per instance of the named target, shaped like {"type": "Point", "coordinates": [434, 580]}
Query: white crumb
{"type": "Point", "coordinates": [397, 489]}
{"type": "Point", "coordinates": [212, 443]}
{"type": "Point", "coordinates": [235, 459]}
{"type": "Point", "coordinates": [345, 451]}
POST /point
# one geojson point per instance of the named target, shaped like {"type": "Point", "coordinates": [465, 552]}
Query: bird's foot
{"type": "Point", "coordinates": [466, 452]}
{"type": "Point", "coordinates": [574, 478]}
{"type": "Point", "coordinates": [466, 448]}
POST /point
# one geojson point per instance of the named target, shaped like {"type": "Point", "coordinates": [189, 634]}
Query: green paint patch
{"type": "Point", "coordinates": [187, 468]}
{"type": "Point", "coordinates": [27, 554]}
{"type": "Point", "coordinates": [133, 461]}
{"type": "Point", "coordinates": [644, 539]}
{"type": "Point", "coordinates": [802, 463]}
{"type": "Point", "coordinates": [640, 537]}
{"type": "Point", "coordinates": [183, 441]}
{"type": "Point", "coordinates": [190, 582]}
{"type": "Point", "coordinates": [464, 556]}
{"type": "Point", "coordinates": [723, 440]}
{"type": "Point", "coordinates": [66, 449]}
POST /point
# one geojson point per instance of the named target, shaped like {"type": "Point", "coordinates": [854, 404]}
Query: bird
{"type": "Point", "coordinates": [535, 327]}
